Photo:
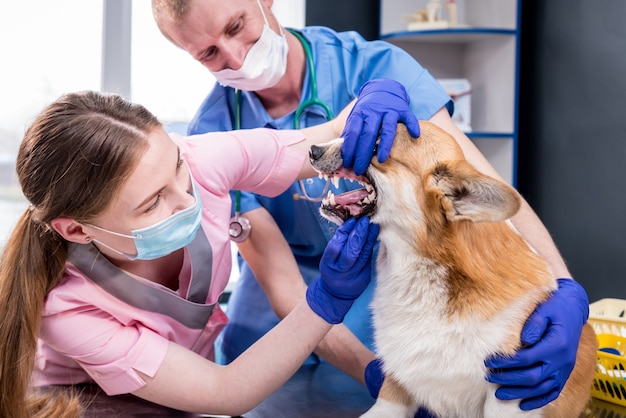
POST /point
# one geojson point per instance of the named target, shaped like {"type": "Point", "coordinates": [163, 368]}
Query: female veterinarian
{"type": "Point", "coordinates": [113, 273]}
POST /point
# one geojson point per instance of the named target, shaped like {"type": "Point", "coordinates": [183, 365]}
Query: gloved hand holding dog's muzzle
{"type": "Point", "coordinates": [380, 105]}
{"type": "Point", "coordinates": [346, 269]}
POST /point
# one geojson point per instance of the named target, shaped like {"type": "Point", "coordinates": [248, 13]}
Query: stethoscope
{"type": "Point", "coordinates": [239, 228]}
{"type": "Point", "coordinates": [239, 225]}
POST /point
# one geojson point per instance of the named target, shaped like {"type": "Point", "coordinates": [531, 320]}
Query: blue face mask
{"type": "Point", "coordinates": [166, 236]}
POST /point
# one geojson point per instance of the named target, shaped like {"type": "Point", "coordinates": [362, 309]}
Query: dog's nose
{"type": "Point", "coordinates": [316, 152]}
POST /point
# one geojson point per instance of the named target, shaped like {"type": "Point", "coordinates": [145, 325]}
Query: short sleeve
{"type": "Point", "coordinates": [109, 351]}
{"type": "Point", "coordinates": [427, 95]}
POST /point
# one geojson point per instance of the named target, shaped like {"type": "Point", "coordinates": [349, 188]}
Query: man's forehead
{"type": "Point", "coordinates": [211, 12]}
{"type": "Point", "coordinates": [209, 18]}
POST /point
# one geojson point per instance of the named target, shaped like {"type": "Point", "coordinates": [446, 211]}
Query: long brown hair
{"type": "Point", "coordinates": [73, 159]}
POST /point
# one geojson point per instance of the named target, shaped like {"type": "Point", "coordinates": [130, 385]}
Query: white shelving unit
{"type": "Point", "coordinates": [483, 49]}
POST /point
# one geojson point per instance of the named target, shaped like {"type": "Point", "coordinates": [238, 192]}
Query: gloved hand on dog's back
{"type": "Point", "coordinates": [374, 378]}
{"type": "Point", "coordinates": [381, 104]}
{"type": "Point", "coordinates": [538, 371]}
{"type": "Point", "coordinates": [346, 269]}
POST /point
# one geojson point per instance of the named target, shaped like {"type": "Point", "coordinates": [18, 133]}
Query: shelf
{"type": "Point", "coordinates": [489, 135]}
{"type": "Point", "coordinates": [455, 35]}
{"type": "Point", "coordinates": [483, 48]}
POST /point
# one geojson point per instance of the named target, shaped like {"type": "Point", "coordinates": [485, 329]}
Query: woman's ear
{"type": "Point", "coordinates": [70, 230]}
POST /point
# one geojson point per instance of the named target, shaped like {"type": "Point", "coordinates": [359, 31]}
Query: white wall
{"type": "Point", "coordinates": [290, 13]}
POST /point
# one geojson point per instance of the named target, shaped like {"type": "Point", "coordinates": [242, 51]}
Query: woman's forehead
{"type": "Point", "coordinates": [152, 171]}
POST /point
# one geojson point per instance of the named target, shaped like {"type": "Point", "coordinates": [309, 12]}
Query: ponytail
{"type": "Point", "coordinates": [72, 161]}
{"type": "Point", "coordinates": [31, 265]}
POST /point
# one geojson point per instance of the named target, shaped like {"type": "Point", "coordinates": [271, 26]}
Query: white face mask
{"type": "Point", "coordinates": [264, 65]}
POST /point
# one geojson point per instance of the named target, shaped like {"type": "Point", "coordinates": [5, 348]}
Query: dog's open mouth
{"type": "Point", "coordinates": [355, 203]}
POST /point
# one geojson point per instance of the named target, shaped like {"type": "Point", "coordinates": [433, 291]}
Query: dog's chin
{"type": "Point", "coordinates": [353, 204]}
{"type": "Point", "coordinates": [339, 215]}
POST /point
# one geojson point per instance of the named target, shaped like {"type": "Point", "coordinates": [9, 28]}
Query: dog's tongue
{"type": "Point", "coordinates": [350, 197]}
{"type": "Point", "coordinates": [350, 200]}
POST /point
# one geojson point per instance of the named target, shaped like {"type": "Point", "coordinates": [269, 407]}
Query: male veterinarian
{"type": "Point", "coordinates": [266, 75]}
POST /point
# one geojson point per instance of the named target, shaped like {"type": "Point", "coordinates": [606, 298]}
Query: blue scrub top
{"type": "Point", "coordinates": [343, 62]}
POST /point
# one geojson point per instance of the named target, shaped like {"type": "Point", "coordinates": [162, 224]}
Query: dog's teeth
{"type": "Point", "coordinates": [335, 181]}
{"type": "Point", "coordinates": [329, 200]}
{"type": "Point", "coordinates": [369, 188]}
{"type": "Point", "coordinates": [366, 200]}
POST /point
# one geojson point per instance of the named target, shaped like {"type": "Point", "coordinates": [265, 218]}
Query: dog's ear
{"type": "Point", "coordinates": [467, 194]}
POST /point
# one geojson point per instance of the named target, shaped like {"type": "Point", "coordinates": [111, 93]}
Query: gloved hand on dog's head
{"type": "Point", "coordinates": [381, 104]}
{"type": "Point", "coordinates": [346, 269]}
{"type": "Point", "coordinates": [374, 378]}
{"type": "Point", "coordinates": [537, 373]}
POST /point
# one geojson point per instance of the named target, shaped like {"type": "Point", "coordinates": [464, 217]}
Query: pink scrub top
{"type": "Point", "coordinates": [100, 324]}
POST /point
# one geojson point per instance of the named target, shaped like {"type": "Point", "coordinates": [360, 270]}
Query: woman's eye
{"type": "Point", "coordinates": [155, 204]}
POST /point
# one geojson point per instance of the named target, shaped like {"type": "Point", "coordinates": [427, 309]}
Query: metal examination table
{"type": "Point", "coordinates": [316, 391]}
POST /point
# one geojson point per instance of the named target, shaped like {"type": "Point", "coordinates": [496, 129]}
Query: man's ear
{"type": "Point", "coordinates": [70, 230]}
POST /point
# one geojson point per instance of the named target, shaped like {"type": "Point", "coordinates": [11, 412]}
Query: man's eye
{"type": "Point", "coordinates": [208, 54]}
{"type": "Point", "coordinates": [234, 29]}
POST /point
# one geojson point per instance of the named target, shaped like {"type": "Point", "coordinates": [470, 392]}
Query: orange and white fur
{"type": "Point", "coordinates": [455, 281]}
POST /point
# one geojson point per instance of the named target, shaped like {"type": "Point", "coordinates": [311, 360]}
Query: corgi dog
{"type": "Point", "coordinates": [455, 281]}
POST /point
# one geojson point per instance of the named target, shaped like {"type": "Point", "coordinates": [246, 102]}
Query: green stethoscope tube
{"type": "Point", "coordinates": [313, 100]}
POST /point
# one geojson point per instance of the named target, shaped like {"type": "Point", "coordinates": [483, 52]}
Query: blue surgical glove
{"type": "Point", "coordinates": [346, 269]}
{"type": "Point", "coordinates": [538, 371]}
{"type": "Point", "coordinates": [374, 380]}
{"type": "Point", "coordinates": [374, 377]}
{"type": "Point", "coordinates": [381, 104]}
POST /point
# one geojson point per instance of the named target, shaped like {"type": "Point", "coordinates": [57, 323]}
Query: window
{"type": "Point", "coordinates": [43, 57]}
{"type": "Point", "coordinates": [164, 78]}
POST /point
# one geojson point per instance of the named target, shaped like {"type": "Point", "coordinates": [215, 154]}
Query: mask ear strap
{"type": "Point", "coordinates": [262, 12]}
{"type": "Point", "coordinates": [129, 256]}
{"type": "Point", "coordinates": [265, 19]}
{"type": "Point", "coordinates": [111, 232]}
